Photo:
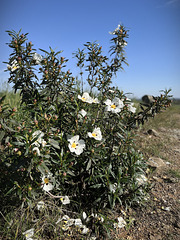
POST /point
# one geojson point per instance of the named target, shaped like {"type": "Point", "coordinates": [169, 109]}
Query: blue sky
{"type": "Point", "coordinates": [153, 50]}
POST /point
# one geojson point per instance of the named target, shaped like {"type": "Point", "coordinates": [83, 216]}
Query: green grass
{"type": "Point", "coordinates": [13, 99]}
{"type": "Point", "coordinates": [155, 146]}
{"type": "Point", "coordinates": [169, 118]}
{"type": "Point", "coordinates": [174, 173]}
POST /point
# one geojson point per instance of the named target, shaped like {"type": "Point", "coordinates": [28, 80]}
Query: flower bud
{"type": "Point", "coordinates": [36, 122]}
{"type": "Point", "coordinates": [9, 145]}
{"type": "Point", "coordinates": [18, 128]}
{"type": "Point", "coordinates": [40, 162]}
{"type": "Point", "coordinates": [62, 59]}
{"type": "Point", "coordinates": [55, 117]}
{"type": "Point", "coordinates": [16, 149]}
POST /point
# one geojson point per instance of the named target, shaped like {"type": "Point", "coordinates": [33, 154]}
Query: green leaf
{"type": "Point", "coordinates": [71, 173]}
{"type": "Point", "coordinates": [44, 51]}
{"type": "Point", "coordinates": [54, 143]}
{"type": "Point", "coordinates": [14, 187]}
{"type": "Point", "coordinates": [43, 168]}
{"type": "Point", "coordinates": [54, 161]}
{"type": "Point", "coordinates": [88, 165]}
{"type": "Point", "coordinates": [96, 185]}
{"type": "Point", "coordinates": [2, 135]}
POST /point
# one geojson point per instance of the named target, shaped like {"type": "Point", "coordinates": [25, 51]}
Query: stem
{"type": "Point", "coordinates": [53, 196]}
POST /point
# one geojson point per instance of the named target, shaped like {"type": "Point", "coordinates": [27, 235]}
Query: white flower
{"type": "Point", "coordinates": [43, 142]}
{"type": "Point", "coordinates": [40, 205]}
{"type": "Point", "coordinates": [111, 91]}
{"type": "Point", "coordinates": [67, 222]}
{"type": "Point", "coordinates": [116, 30]}
{"type": "Point", "coordinates": [14, 66]}
{"type": "Point", "coordinates": [65, 200]}
{"type": "Point", "coordinates": [113, 187]}
{"type": "Point", "coordinates": [39, 135]}
{"type": "Point", "coordinates": [84, 215]}
{"type": "Point", "coordinates": [92, 238]}
{"type": "Point", "coordinates": [48, 182]}
{"type": "Point", "coordinates": [131, 108]}
{"type": "Point", "coordinates": [76, 145]}
{"type": "Point", "coordinates": [65, 217]}
{"type": "Point", "coordinates": [37, 58]}
{"type": "Point", "coordinates": [142, 179]}
{"type": "Point", "coordinates": [115, 105]}
{"type": "Point", "coordinates": [78, 222]}
{"type": "Point", "coordinates": [82, 113]}
{"type": "Point", "coordinates": [36, 149]}
{"type": "Point", "coordinates": [85, 97]}
{"type": "Point", "coordinates": [29, 233]}
{"type": "Point", "coordinates": [122, 44]}
{"type": "Point", "coordinates": [95, 100]}
{"type": "Point", "coordinates": [96, 134]}
{"type": "Point", "coordinates": [85, 230]}
{"type": "Point", "coordinates": [121, 223]}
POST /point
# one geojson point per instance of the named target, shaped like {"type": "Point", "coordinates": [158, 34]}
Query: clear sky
{"type": "Point", "coordinates": [153, 50]}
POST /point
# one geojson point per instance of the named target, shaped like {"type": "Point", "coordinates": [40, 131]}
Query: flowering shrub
{"type": "Point", "coordinates": [68, 143]}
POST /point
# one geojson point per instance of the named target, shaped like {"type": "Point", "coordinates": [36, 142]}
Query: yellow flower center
{"type": "Point", "coordinates": [94, 134]}
{"type": "Point", "coordinates": [46, 180]}
{"type": "Point", "coordinates": [83, 98]}
{"type": "Point", "coordinates": [15, 67]}
{"type": "Point", "coordinates": [73, 145]}
{"type": "Point", "coordinates": [113, 106]}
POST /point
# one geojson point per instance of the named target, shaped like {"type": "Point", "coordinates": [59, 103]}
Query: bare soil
{"type": "Point", "coordinates": [159, 219]}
